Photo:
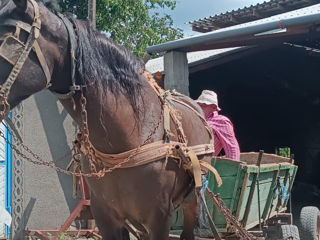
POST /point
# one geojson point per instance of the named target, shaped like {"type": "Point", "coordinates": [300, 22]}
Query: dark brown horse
{"type": "Point", "coordinates": [123, 109]}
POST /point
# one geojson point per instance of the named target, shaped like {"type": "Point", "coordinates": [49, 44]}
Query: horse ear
{"type": "Point", "coordinates": [21, 4]}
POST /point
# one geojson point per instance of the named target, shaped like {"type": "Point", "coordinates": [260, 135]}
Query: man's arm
{"type": "Point", "coordinates": [224, 133]}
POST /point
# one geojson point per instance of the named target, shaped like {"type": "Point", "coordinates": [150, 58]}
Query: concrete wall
{"type": "Point", "coordinates": [176, 72]}
{"type": "Point", "coordinates": [42, 198]}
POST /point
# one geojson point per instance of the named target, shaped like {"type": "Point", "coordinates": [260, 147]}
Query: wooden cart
{"type": "Point", "coordinates": [257, 192]}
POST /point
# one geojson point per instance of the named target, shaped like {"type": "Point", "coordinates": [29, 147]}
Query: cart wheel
{"type": "Point", "coordinates": [309, 226]}
{"type": "Point", "coordinates": [290, 232]}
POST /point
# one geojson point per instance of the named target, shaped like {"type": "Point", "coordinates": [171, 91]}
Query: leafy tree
{"type": "Point", "coordinates": [134, 24]}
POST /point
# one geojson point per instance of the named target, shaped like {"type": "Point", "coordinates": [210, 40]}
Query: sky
{"type": "Point", "coordinates": [190, 10]}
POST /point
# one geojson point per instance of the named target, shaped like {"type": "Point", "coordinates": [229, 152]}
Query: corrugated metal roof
{"type": "Point", "coordinates": [227, 37]}
{"type": "Point", "coordinates": [194, 58]}
{"type": "Point", "coordinates": [314, 9]}
{"type": "Point", "coordinates": [249, 14]}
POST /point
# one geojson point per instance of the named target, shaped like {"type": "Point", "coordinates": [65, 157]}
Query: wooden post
{"type": "Point", "coordinates": [92, 13]}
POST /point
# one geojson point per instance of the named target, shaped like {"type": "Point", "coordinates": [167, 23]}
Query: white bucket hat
{"type": "Point", "coordinates": [208, 97]}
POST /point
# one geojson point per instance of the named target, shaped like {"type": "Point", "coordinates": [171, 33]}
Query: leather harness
{"type": "Point", "coordinates": [14, 51]}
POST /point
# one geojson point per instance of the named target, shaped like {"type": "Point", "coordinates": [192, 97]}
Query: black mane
{"type": "Point", "coordinates": [101, 62]}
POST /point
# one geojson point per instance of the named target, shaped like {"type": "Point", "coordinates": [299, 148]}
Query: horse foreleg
{"type": "Point", "coordinates": [190, 219]}
{"type": "Point", "coordinates": [158, 226]}
{"type": "Point", "coordinates": [109, 228]}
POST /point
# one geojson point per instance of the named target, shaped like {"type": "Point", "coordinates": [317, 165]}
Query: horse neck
{"type": "Point", "coordinates": [114, 127]}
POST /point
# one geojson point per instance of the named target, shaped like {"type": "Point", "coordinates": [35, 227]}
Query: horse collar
{"type": "Point", "coordinates": [71, 26]}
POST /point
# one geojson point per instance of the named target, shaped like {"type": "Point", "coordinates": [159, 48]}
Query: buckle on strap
{"type": "Point", "coordinates": [75, 88]}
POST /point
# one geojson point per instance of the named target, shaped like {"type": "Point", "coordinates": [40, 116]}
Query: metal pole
{"type": "Point", "coordinates": [211, 222]}
{"type": "Point", "coordinates": [92, 13]}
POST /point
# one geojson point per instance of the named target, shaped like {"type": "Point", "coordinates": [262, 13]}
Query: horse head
{"type": "Point", "coordinates": [33, 42]}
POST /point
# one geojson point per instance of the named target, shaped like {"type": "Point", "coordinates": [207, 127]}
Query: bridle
{"type": "Point", "coordinates": [16, 52]}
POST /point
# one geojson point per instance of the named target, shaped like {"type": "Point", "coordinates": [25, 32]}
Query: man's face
{"type": "Point", "coordinates": [208, 109]}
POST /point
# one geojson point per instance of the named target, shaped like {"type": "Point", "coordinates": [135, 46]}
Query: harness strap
{"type": "Point", "coordinates": [146, 154]}
{"type": "Point", "coordinates": [43, 63]}
{"type": "Point", "coordinates": [210, 168]}
{"type": "Point", "coordinates": [166, 122]}
{"type": "Point", "coordinates": [36, 20]}
{"type": "Point", "coordinates": [198, 114]}
{"type": "Point", "coordinates": [175, 116]}
{"type": "Point", "coordinates": [195, 168]}
{"type": "Point", "coordinates": [167, 104]}
{"type": "Point", "coordinates": [170, 111]}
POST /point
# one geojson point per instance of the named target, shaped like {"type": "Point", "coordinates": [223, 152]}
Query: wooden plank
{"type": "Point", "coordinates": [291, 180]}
{"type": "Point", "coordinates": [234, 200]}
{"type": "Point", "coordinates": [243, 191]}
{"type": "Point", "coordinates": [270, 196]}
{"type": "Point", "coordinates": [248, 205]}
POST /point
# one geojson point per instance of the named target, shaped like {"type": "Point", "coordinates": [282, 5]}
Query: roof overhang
{"type": "Point", "coordinates": [248, 14]}
{"type": "Point", "coordinates": [270, 32]}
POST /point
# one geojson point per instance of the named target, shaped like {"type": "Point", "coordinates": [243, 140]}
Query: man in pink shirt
{"type": "Point", "coordinates": [220, 125]}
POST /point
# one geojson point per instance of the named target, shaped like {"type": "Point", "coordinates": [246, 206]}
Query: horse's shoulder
{"type": "Point", "coordinates": [189, 101]}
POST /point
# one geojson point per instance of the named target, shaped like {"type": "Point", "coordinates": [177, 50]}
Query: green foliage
{"type": "Point", "coordinates": [134, 24]}
{"type": "Point", "coordinates": [285, 152]}
{"type": "Point", "coordinates": [61, 236]}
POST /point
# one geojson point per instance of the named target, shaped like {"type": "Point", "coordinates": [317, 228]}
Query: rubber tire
{"type": "Point", "coordinates": [309, 223]}
{"type": "Point", "coordinates": [289, 232]}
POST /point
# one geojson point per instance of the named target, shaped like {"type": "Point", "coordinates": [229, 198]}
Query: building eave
{"type": "Point", "coordinates": [246, 35]}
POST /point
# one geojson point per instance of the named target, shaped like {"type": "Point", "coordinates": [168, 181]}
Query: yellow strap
{"type": "Point", "coordinates": [43, 62]}
{"type": "Point", "coordinates": [213, 170]}
{"type": "Point", "coordinates": [166, 120]}
{"type": "Point", "coordinates": [195, 168]}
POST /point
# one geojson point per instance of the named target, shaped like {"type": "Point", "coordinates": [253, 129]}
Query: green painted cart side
{"type": "Point", "coordinates": [239, 190]}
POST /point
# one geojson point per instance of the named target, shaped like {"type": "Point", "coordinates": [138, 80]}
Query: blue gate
{"type": "Point", "coordinates": [6, 165]}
